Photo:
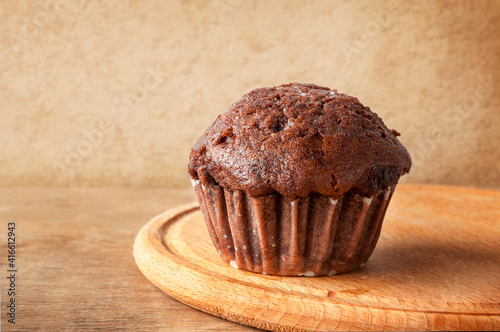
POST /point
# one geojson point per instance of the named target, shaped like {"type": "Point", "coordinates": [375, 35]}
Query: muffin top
{"type": "Point", "coordinates": [296, 139]}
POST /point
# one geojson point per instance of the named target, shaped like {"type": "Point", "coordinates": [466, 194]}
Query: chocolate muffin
{"type": "Point", "coordinates": [295, 180]}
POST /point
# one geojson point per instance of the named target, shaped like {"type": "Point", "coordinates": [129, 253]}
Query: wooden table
{"type": "Point", "coordinates": [75, 268]}
{"type": "Point", "coordinates": [75, 263]}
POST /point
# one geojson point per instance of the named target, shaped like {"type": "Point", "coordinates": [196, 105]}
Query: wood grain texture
{"type": "Point", "coordinates": [76, 268]}
{"type": "Point", "coordinates": [436, 267]}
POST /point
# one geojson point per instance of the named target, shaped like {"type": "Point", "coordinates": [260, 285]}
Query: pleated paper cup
{"type": "Point", "coordinates": [310, 236]}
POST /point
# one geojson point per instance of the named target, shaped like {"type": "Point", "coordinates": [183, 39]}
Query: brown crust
{"type": "Point", "coordinates": [295, 139]}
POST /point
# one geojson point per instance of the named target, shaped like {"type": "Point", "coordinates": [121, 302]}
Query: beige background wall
{"type": "Point", "coordinates": [97, 93]}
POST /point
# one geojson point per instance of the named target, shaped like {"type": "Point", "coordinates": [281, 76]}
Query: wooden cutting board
{"type": "Point", "coordinates": [436, 267]}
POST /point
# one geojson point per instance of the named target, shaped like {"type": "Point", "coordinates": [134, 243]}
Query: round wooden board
{"type": "Point", "coordinates": [436, 267]}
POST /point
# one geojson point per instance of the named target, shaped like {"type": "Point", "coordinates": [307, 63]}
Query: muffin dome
{"type": "Point", "coordinates": [296, 139]}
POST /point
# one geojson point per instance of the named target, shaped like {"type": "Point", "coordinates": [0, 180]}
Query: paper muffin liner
{"type": "Point", "coordinates": [310, 236]}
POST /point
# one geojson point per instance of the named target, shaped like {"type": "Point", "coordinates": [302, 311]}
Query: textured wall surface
{"type": "Point", "coordinates": [97, 93]}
